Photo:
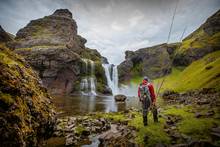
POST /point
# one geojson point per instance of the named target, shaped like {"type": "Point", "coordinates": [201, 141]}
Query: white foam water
{"type": "Point", "coordinates": [111, 73]}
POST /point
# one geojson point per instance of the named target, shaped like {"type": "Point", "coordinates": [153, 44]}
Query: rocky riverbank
{"type": "Point", "coordinates": [192, 122]}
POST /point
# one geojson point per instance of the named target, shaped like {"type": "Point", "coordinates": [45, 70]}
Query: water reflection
{"type": "Point", "coordinates": [82, 104]}
{"type": "Point", "coordinates": [78, 104]}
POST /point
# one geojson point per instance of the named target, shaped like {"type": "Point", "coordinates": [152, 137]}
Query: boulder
{"type": "Point", "coordinates": [120, 98]}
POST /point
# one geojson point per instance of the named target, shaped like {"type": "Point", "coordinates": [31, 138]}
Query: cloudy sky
{"type": "Point", "coordinates": [114, 26]}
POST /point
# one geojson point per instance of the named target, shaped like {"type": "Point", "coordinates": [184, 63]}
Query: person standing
{"type": "Point", "coordinates": [148, 99]}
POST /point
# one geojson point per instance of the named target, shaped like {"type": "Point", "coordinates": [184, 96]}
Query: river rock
{"type": "Point", "coordinates": [76, 129]}
{"type": "Point", "coordinates": [120, 98]}
{"type": "Point", "coordinates": [107, 90]}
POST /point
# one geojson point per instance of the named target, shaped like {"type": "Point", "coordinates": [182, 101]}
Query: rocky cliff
{"type": "Point", "coordinates": [152, 61]}
{"type": "Point", "coordinates": [204, 40]}
{"type": "Point", "coordinates": [26, 112]}
{"type": "Point", "coordinates": [158, 60]}
{"type": "Point", "coordinates": [54, 49]}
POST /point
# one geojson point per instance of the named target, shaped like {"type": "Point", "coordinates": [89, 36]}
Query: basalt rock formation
{"type": "Point", "coordinates": [26, 111]}
{"type": "Point", "coordinates": [152, 61]}
{"type": "Point", "coordinates": [54, 49]}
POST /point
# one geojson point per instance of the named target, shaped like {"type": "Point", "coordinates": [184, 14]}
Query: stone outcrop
{"type": "Point", "coordinates": [204, 40]}
{"type": "Point", "coordinates": [152, 61]}
{"type": "Point", "coordinates": [26, 111]}
{"type": "Point", "coordinates": [4, 36]}
{"type": "Point", "coordinates": [54, 49]}
{"type": "Point", "coordinates": [58, 68]}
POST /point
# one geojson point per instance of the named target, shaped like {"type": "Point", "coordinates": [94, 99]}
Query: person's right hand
{"type": "Point", "coordinates": [153, 103]}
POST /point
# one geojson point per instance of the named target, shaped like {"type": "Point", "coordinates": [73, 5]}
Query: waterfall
{"type": "Point", "coordinates": [87, 85]}
{"type": "Point", "coordinates": [111, 73]}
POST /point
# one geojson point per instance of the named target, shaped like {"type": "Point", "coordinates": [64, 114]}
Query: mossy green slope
{"type": "Point", "coordinates": [205, 40]}
{"type": "Point", "coordinates": [203, 73]}
{"type": "Point", "coordinates": [26, 113]}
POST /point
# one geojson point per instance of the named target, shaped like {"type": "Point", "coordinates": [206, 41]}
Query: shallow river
{"type": "Point", "coordinates": [82, 104]}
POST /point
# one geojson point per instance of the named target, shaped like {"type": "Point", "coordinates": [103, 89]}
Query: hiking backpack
{"type": "Point", "coordinates": [145, 95]}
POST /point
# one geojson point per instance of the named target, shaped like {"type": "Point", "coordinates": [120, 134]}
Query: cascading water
{"type": "Point", "coordinates": [111, 73]}
{"type": "Point", "coordinates": [92, 78]}
{"type": "Point", "coordinates": [87, 85]}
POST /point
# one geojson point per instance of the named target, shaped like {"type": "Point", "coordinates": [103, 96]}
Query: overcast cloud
{"type": "Point", "coordinates": [114, 26]}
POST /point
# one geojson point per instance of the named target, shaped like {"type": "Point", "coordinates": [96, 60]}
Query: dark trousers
{"type": "Point", "coordinates": [146, 109]}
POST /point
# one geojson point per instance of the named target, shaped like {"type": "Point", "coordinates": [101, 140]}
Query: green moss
{"type": "Point", "coordinates": [199, 39]}
{"type": "Point", "coordinates": [79, 129]}
{"type": "Point", "coordinates": [100, 77]}
{"type": "Point", "coordinates": [41, 47]}
{"type": "Point", "coordinates": [182, 112]}
{"type": "Point", "coordinates": [6, 99]}
{"type": "Point", "coordinates": [116, 116]}
{"type": "Point", "coordinates": [137, 69]}
{"type": "Point", "coordinates": [197, 128]}
{"type": "Point", "coordinates": [6, 59]}
{"type": "Point", "coordinates": [91, 54]}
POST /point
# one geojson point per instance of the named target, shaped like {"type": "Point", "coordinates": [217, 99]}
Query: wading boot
{"type": "Point", "coordinates": [145, 121]}
{"type": "Point", "coordinates": [155, 114]}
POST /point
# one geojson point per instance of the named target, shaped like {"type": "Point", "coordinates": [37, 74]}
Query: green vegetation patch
{"type": "Point", "coordinates": [197, 128]}
{"type": "Point", "coordinates": [6, 100]}
{"type": "Point", "coordinates": [203, 73]}
{"type": "Point", "coordinates": [151, 134]}
{"type": "Point", "coordinates": [199, 39]}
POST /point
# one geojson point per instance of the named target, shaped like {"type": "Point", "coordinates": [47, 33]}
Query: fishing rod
{"type": "Point", "coordinates": [184, 30]}
{"type": "Point", "coordinates": [168, 38]}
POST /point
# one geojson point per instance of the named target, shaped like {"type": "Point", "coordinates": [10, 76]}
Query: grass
{"type": "Point", "coordinates": [41, 47]}
{"type": "Point", "coordinates": [199, 39]}
{"type": "Point", "coordinates": [154, 131]}
{"type": "Point", "coordinates": [170, 81]}
{"type": "Point", "coordinates": [79, 129]}
{"type": "Point", "coordinates": [117, 116]}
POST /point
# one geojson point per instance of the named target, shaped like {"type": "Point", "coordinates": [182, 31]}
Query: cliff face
{"type": "Point", "coordinates": [206, 39]}
{"type": "Point", "coordinates": [153, 62]}
{"type": "Point", "coordinates": [56, 29]}
{"type": "Point", "coordinates": [26, 113]}
{"type": "Point", "coordinates": [54, 49]}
